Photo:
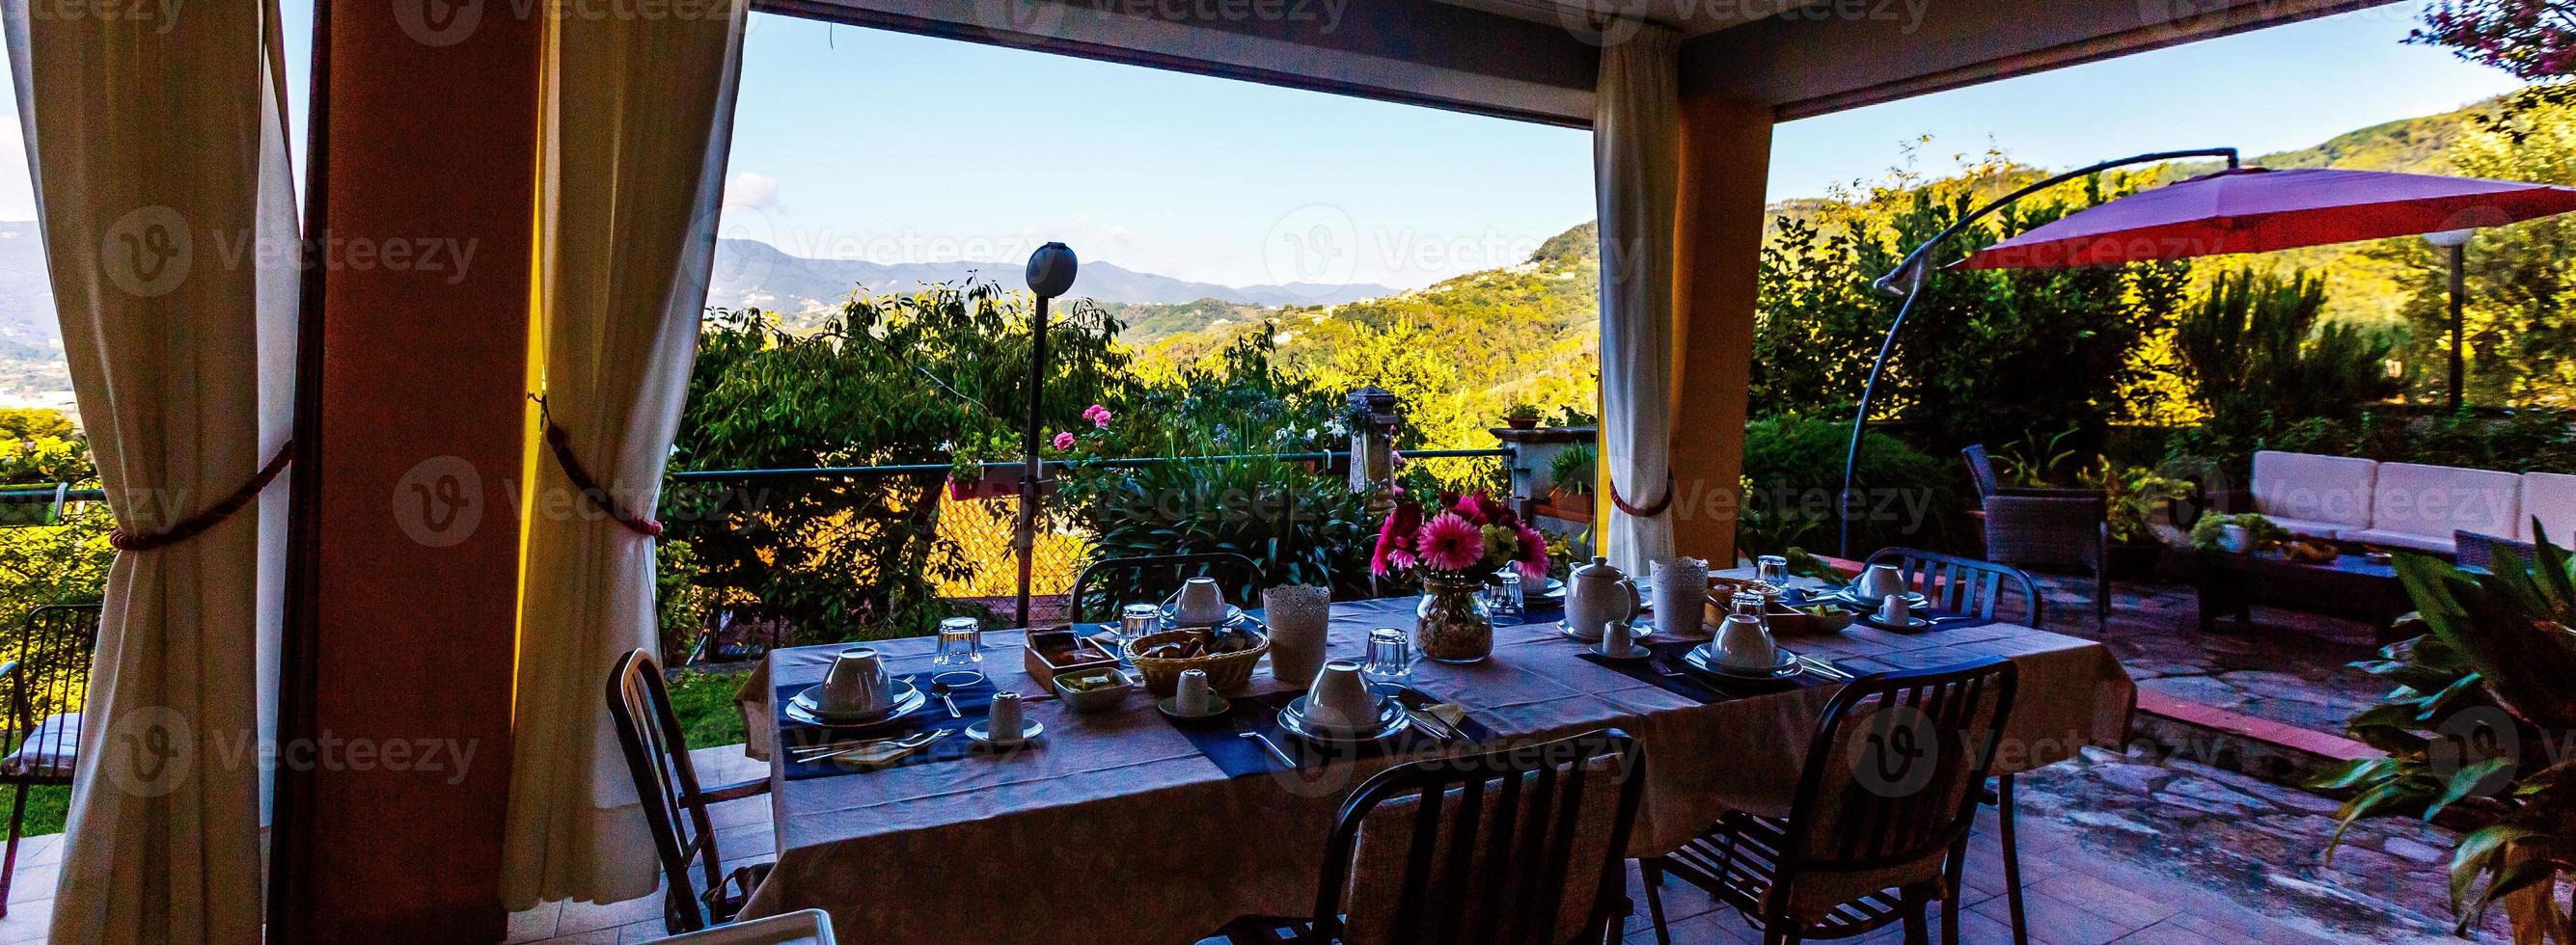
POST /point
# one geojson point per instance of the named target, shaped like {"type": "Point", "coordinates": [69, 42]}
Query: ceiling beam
{"type": "Point", "coordinates": [1844, 54]}
{"type": "Point", "coordinates": [1410, 51]}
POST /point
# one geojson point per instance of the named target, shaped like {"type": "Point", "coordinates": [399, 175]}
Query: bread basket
{"type": "Point", "coordinates": [1225, 671]}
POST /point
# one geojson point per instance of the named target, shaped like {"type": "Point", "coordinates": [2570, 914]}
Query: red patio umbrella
{"type": "Point", "coordinates": [2253, 210]}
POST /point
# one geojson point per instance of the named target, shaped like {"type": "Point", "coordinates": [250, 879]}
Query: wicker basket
{"type": "Point", "coordinates": [1225, 671]}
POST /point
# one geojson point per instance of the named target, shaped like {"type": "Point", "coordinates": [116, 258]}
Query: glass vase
{"type": "Point", "coordinates": [1452, 624]}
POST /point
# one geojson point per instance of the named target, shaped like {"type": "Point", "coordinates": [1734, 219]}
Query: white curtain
{"type": "Point", "coordinates": [639, 116]}
{"type": "Point", "coordinates": [1637, 176]}
{"type": "Point", "coordinates": [158, 153]}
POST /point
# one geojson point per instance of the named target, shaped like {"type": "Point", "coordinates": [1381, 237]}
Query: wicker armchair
{"type": "Point", "coordinates": [2065, 531]}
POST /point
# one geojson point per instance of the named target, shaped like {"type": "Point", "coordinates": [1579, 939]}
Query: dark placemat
{"type": "Point", "coordinates": [1941, 619]}
{"type": "Point", "coordinates": [1220, 738]}
{"type": "Point", "coordinates": [974, 702]}
{"type": "Point", "coordinates": [1667, 672]}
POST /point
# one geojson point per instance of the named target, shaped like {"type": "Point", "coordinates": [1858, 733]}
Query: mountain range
{"type": "Point", "coordinates": [749, 273]}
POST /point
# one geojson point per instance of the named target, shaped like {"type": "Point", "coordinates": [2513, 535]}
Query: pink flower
{"type": "Point", "coordinates": [1063, 442]}
{"type": "Point", "coordinates": [1531, 559]}
{"type": "Point", "coordinates": [1395, 541]}
{"type": "Point", "coordinates": [1451, 543]}
{"type": "Point", "coordinates": [1098, 415]}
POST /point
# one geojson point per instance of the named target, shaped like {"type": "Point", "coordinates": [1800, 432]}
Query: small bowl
{"type": "Point", "coordinates": [1794, 622]}
{"type": "Point", "coordinates": [1098, 698]}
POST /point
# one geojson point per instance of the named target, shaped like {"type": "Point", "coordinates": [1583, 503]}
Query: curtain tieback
{"type": "Point", "coordinates": [1645, 511]}
{"type": "Point", "coordinates": [559, 442]}
{"type": "Point", "coordinates": [214, 515]}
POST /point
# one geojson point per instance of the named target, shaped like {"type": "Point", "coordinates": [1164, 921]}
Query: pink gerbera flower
{"type": "Point", "coordinates": [1451, 543]}
{"type": "Point", "coordinates": [1531, 556]}
{"type": "Point", "coordinates": [1395, 541]}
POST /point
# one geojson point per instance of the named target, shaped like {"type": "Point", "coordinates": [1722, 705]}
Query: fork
{"type": "Point", "coordinates": [1267, 743]}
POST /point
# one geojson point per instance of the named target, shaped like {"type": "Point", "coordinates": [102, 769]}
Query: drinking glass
{"type": "Point", "coordinates": [961, 642]}
{"type": "Point", "coordinates": [1138, 620]}
{"type": "Point", "coordinates": [1750, 604]}
{"type": "Point", "coordinates": [1390, 655]}
{"type": "Point", "coordinates": [1505, 597]}
{"type": "Point", "coordinates": [1772, 572]}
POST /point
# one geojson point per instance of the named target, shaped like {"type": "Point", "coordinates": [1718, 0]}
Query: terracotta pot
{"type": "Point", "coordinates": [1521, 423]}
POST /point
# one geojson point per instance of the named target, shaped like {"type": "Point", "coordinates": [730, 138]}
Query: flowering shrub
{"type": "Point", "coordinates": [1466, 535]}
{"type": "Point", "coordinates": [2533, 39]}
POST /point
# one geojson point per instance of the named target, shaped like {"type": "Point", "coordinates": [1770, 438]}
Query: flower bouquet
{"type": "Point", "coordinates": [1456, 549]}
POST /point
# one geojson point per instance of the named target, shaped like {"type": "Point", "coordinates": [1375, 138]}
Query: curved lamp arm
{"type": "Point", "coordinates": [1909, 277]}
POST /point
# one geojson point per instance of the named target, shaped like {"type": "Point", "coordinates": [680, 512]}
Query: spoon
{"type": "Point", "coordinates": [812, 752]}
{"type": "Point", "coordinates": [945, 683]}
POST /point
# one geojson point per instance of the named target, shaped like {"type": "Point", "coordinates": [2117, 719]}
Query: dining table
{"type": "Point", "coordinates": [1125, 826]}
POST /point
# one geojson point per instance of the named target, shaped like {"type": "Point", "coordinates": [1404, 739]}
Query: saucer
{"type": "Point", "coordinates": [1172, 707]}
{"type": "Point", "coordinates": [1911, 624]}
{"type": "Point", "coordinates": [1851, 596]}
{"type": "Point", "coordinates": [1392, 717]}
{"type": "Point", "coordinates": [1172, 617]}
{"type": "Point", "coordinates": [1636, 654]}
{"type": "Point", "coordinates": [1639, 631]}
{"type": "Point", "coordinates": [806, 707]}
{"type": "Point", "coordinates": [1701, 658]}
{"type": "Point", "coordinates": [981, 733]}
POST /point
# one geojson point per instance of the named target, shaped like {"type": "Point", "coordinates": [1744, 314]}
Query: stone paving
{"type": "Point", "coordinates": [2288, 667]}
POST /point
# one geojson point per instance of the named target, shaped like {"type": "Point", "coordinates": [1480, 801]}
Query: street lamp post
{"type": "Point", "coordinates": [2457, 242]}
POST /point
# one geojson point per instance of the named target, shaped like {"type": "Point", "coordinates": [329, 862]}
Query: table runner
{"type": "Point", "coordinates": [1126, 816]}
{"type": "Point", "coordinates": [973, 704]}
{"type": "Point", "coordinates": [1219, 737]}
{"type": "Point", "coordinates": [1667, 672]}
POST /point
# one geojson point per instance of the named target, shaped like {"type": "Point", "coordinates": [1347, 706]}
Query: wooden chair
{"type": "Point", "coordinates": [1878, 828]}
{"type": "Point", "coordinates": [1152, 578]}
{"type": "Point", "coordinates": [1524, 845]}
{"type": "Point", "coordinates": [2476, 552]}
{"type": "Point", "coordinates": [48, 677]}
{"type": "Point", "coordinates": [666, 783]}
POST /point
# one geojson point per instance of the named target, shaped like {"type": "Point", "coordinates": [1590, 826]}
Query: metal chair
{"type": "Point", "coordinates": [1152, 578]}
{"type": "Point", "coordinates": [1524, 845]}
{"type": "Point", "coordinates": [1879, 826]}
{"type": "Point", "coordinates": [657, 754]}
{"type": "Point", "coordinates": [48, 676]}
{"type": "Point", "coordinates": [2476, 552]}
{"type": "Point", "coordinates": [1963, 585]}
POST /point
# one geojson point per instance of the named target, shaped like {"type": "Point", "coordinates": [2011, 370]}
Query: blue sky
{"type": "Point", "coordinates": [857, 143]}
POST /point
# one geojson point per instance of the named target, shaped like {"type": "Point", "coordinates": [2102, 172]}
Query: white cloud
{"type": "Point", "coordinates": [752, 191]}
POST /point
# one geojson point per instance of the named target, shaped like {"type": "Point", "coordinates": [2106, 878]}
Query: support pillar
{"type": "Point", "coordinates": [1725, 173]}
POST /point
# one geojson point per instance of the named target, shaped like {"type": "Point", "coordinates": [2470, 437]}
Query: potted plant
{"type": "Point", "coordinates": [2236, 534]}
{"type": "Point", "coordinates": [1569, 478]}
{"type": "Point", "coordinates": [2138, 497]}
{"type": "Point", "coordinates": [2472, 733]}
{"type": "Point", "coordinates": [1522, 416]}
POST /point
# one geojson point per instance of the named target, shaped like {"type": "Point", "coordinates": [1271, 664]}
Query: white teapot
{"type": "Point", "coordinates": [1597, 595]}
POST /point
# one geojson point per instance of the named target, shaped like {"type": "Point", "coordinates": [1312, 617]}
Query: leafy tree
{"type": "Point", "coordinates": [892, 380]}
{"type": "Point", "coordinates": [2254, 349]}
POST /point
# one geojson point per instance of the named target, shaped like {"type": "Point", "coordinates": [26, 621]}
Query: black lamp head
{"type": "Point", "coordinates": [1051, 270]}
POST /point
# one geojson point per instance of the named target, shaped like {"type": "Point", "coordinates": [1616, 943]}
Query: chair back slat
{"type": "Point", "coordinates": [48, 689]}
{"type": "Point", "coordinates": [1891, 777]}
{"type": "Point", "coordinates": [1100, 588]}
{"type": "Point", "coordinates": [666, 784]}
{"type": "Point", "coordinates": [1519, 846]}
{"type": "Point", "coordinates": [1981, 470]}
{"type": "Point", "coordinates": [1965, 585]}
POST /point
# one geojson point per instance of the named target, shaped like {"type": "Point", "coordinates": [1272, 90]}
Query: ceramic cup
{"type": "Point", "coordinates": [1199, 603]}
{"type": "Point", "coordinates": [1893, 611]}
{"type": "Point", "coordinates": [1743, 643]}
{"type": "Point", "coordinates": [1005, 719]}
{"type": "Point", "coordinates": [1298, 617]}
{"type": "Point", "coordinates": [856, 684]}
{"type": "Point", "coordinates": [1193, 695]}
{"type": "Point", "coordinates": [1681, 595]}
{"type": "Point", "coordinates": [1880, 581]}
{"type": "Point", "coordinates": [1340, 700]}
{"type": "Point", "coordinates": [1618, 640]}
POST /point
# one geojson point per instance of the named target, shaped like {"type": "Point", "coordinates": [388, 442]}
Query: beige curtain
{"type": "Point", "coordinates": [639, 116]}
{"type": "Point", "coordinates": [1637, 177]}
{"type": "Point", "coordinates": [158, 153]}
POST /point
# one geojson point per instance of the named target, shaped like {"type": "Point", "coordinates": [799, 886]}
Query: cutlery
{"type": "Point", "coordinates": [1416, 723]}
{"type": "Point", "coordinates": [880, 752]}
{"type": "Point", "coordinates": [1267, 743]}
{"type": "Point", "coordinates": [1454, 731]}
{"type": "Point", "coordinates": [1824, 669]}
{"type": "Point", "coordinates": [834, 748]}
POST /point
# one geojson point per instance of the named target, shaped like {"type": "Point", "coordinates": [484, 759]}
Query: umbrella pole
{"type": "Point", "coordinates": [1025, 540]}
{"type": "Point", "coordinates": [1909, 278]}
{"type": "Point", "coordinates": [2459, 304]}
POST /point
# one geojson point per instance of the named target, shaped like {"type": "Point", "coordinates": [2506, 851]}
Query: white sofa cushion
{"type": "Point", "coordinates": [2431, 502]}
{"type": "Point", "coordinates": [2406, 540]}
{"type": "Point", "coordinates": [2307, 529]}
{"type": "Point", "coordinates": [2333, 492]}
{"type": "Point", "coordinates": [2552, 498]}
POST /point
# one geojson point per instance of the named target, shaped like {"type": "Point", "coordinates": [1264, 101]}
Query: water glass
{"type": "Point", "coordinates": [1772, 571]}
{"type": "Point", "coordinates": [1505, 597]}
{"type": "Point", "coordinates": [1138, 620]}
{"type": "Point", "coordinates": [961, 642]}
{"type": "Point", "coordinates": [1390, 656]}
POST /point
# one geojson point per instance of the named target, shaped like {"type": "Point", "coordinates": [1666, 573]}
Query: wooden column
{"type": "Point", "coordinates": [402, 621]}
{"type": "Point", "coordinates": [1725, 170]}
